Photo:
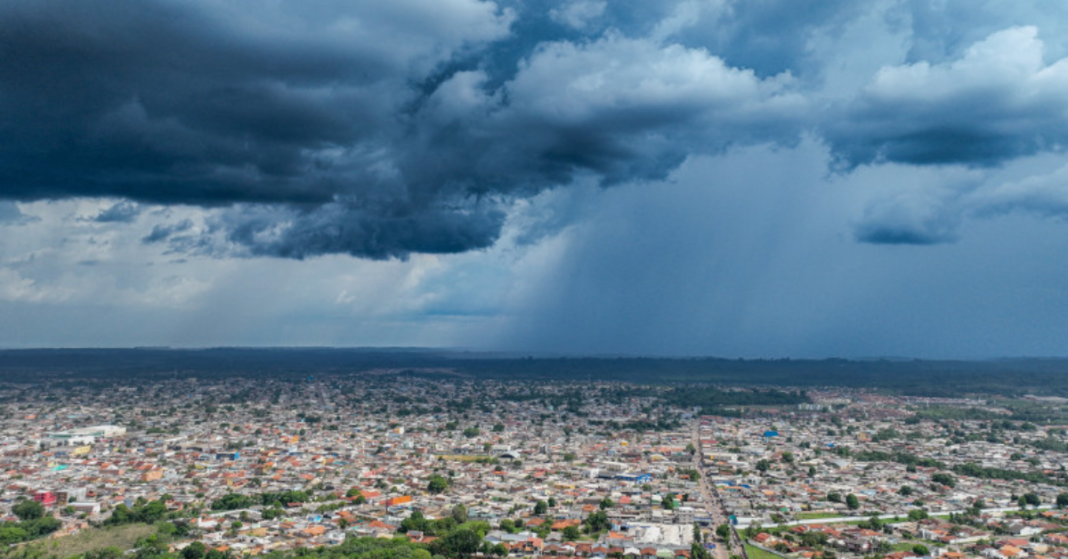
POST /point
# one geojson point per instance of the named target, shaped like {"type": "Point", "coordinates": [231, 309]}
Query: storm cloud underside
{"type": "Point", "coordinates": [379, 131]}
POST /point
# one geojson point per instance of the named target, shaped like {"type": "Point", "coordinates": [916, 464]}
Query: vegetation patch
{"type": "Point", "coordinates": [93, 539]}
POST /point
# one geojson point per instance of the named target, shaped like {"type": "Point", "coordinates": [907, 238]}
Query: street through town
{"type": "Point", "coordinates": [711, 499]}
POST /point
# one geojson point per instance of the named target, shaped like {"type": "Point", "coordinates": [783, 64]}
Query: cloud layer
{"type": "Point", "coordinates": [806, 177]}
{"type": "Point", "coordinates": [384, 130]}
{"type": "Point", "coordinates": [997, 102]}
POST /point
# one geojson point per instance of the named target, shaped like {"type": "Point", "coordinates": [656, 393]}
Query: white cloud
{"type": "Point", "coordinates": [568, 83]}
{"type": "Point", "coordinates": [998, 101]}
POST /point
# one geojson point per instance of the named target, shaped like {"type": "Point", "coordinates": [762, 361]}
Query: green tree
{"type": "Point", "coordinates": [813, 538]}
{"type": "Point", "coordinates": [905, 491]}
{"type": "Point", "coordinates": [921, 550]}
{"type": "Point", "coordinates": [541, 507]}
{"type": "Point", "coordinates": [437, 484]}
{"type": "Point", "coordinates": [1062, 500]}
{"type": "Point", "coordinates": [698, 551]}
{"type": "Point", "coordinates": [41, 527]}
{"type": "Point", "coordinates": [462, 542]}
{"type": "Point", "coordinates": [459, 513]}
{"type": "Point", "coordinates": [606, 503]}
{"type": "Point", "coordinates": [943, 478]}
{"type": "Point", "coordinates": [498, 428]}
{"type": "Point", "coordinates": [597, 521]}
{"type": "Point", "coordinates": [28, 510]}
{"type": "Point", "coordinates": [195, 550]}
{"type": "Point", "coordinates": [10, 533]}
{"type": "Point", "coordinates": [723, 531]}
{"type": "Point", "coordinates": [834, 497]}
{"type": "Point", "coordinates": [852, 502]}
{"type": "Point", "coordinates": [232, 501]}
{"type": "Point", "coordinates": [415, 522]}
{"type": "Point", "coordinates": [571, 533]}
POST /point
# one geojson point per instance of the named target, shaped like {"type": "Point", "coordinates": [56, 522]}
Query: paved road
{"type": "Point", "coordinates": [711, 498]}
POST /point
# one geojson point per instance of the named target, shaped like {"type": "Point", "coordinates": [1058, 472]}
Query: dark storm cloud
{"type": "Point", "coordinates": [381, 129]}
{"type": "Point", "coordinates": [157, 103]}
{"type": "Point", "coordinates": [352, 123]}
{"type": "Point", "coordinates": [900, 232]}
{"type": "Point", "coordinates": [378, 234]}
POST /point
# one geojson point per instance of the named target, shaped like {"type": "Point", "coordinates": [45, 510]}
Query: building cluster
{"type": "Point", "coordinates": [259, 466]}
{"type": "Point", "coordinates": [565, 470]}
{"type": "Point", "coordinates": [867, 475]}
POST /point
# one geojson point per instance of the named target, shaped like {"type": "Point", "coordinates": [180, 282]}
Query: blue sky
{"type": "Point", "coordinates": [737, 178]}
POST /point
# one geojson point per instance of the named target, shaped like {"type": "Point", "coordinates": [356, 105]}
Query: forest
{"type": "Point", "coordinates": [1008, 377]}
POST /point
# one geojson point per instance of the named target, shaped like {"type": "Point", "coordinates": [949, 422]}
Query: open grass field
{"type": "Point", "coordinates": [757, 553]}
